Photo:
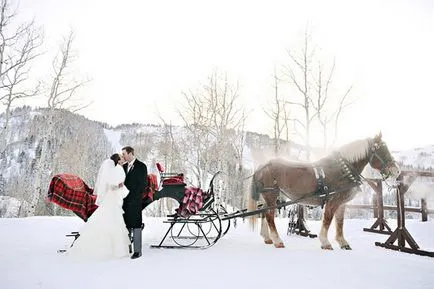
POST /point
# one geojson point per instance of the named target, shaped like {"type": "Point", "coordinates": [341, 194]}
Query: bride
{"type": "Point", "coordinates": [105, 235]}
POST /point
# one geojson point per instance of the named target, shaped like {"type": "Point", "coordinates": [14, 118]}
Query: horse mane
{"type": "Point", "coordinates": [355, 150]}
{"type": "Point", "coordinates": [285, 162]}
{"type": "Point", "coordinates": [352, 152]}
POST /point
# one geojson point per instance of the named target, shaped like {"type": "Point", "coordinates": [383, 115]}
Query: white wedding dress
{"type": "Point", "coordinates": [105, 235]}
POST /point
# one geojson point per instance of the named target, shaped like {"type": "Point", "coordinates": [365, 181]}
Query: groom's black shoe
{"type": "Point", "coordinates": [136, 255]}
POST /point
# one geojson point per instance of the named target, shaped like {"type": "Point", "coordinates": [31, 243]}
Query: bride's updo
{"type": "Point", "coordinates": [115, 158]}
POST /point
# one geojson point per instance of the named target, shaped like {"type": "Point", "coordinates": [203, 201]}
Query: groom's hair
{"type": "Point", "coordinates": [115, 158]}
{"type": "Point", "coordinates": [128, 149]}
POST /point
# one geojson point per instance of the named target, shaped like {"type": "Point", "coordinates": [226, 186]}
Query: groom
{"type": "Point", "coordinates": [135, 181]}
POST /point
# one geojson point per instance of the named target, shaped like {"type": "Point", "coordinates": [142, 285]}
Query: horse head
{"type": "Point", "coordinates": [381, 159]}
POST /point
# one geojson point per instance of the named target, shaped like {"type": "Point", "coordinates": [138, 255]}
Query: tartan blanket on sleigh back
{"type": "Point", "coordinates": [72, 193]}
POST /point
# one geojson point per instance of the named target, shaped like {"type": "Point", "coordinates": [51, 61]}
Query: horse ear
{"type": "Point", "coordinates": [378, 136]}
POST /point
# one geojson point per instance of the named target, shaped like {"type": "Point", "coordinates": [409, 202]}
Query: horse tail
{"type": "Point", "coordinates": [253, 198]}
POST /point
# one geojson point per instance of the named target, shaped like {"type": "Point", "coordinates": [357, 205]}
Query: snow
{"type": "Point", "coordinates": [248, 161]}
{"type": "Point", "coordinates": [148, 129]}
{"type": "Point", "coordinates": [422, 157]}
{"type": "Point", "coordinates": [422, 188]}
{"type": "Point", "coordinates": [114, 138]}
{"type": "Point", "coordinates": [9, 207]}
{"type": "Point", "coordinates": [28, 259]}
{"type": "Point", "coordinates": [12, 170]}
{"type": "Point", "coordinates": [31, 153]}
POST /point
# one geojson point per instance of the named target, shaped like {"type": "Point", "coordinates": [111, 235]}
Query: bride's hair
{"type": "Point", "coordinates": [115, 158]}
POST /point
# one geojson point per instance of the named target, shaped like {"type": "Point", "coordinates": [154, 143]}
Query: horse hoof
{"type": "Point", "coordinates": [346, 247]}
{"type": "Point", "coordinates": [269, 242]}
{"type": "Point", "coordinates": [327, 247]}
{"type": "Point", "coordinates": [279, 245]}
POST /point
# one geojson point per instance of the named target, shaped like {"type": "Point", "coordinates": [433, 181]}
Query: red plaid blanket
{"type": "Point", "coordinates": [72, 193]}
{"type": "Point", "coordinates": [192, 202]}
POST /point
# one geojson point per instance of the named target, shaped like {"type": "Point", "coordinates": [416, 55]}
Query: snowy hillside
{"type": "Point", "coordinates": [239, 260]}
{"type": "Point", "coordinates": [419, 158]}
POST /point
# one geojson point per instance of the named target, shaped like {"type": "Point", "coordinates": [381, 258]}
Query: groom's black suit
{"type": "Point", "coordinates": [136, 180]}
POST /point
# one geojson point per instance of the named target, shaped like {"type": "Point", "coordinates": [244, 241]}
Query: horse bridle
{"type": "Point", "coordinates": [379, 150]}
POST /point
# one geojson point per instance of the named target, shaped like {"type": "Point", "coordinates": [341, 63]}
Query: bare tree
{"type": "Point", "coordinates": [18, 49]}
{"type": "Point", "coordinates": [215, 122]}
{"type": "Point", "coordinates": [195, 116]}
{"type": "Point", "coordinates": [298, 74]}
{"type": "Point", "coordinates": [226, 115]}
{"type": "Point", "coordinates": [62, 95]}
{"type": "Point", "coordinates": [319, 103]}
{"type": "Point", "coordinates": [170, 150]}
{"type": "Point", "coordinates": [279, 114]}
{"type": "Point", "coordinates": [64, 87]}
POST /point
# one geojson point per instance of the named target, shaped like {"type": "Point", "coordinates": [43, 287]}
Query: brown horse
{"type": "Point", "coordinates": [331, 181]}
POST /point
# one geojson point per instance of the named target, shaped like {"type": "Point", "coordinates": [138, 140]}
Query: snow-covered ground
{"type": "Point", "coordinates": [28, 259]}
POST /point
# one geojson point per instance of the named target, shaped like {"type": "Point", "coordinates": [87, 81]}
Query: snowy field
{"type": "Point", "coordinates": [28, 259]}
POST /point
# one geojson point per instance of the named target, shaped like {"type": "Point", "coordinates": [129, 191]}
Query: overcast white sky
{"type": "Point", "coordinates": [142, 54]}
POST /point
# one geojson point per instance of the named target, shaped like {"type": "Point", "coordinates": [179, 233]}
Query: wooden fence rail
{"type": "Point", "coordinates": [423, 209]}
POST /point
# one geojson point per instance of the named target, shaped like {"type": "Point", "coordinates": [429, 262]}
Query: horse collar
{"type": "Point", "coordinates": [321, 188]}
{"type": "Point", "coordinates": [349, 171]}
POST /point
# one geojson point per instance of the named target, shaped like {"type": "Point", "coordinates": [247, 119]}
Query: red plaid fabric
{"type": "Point", "coordinates": [72, 193]}
{"type": "Point", "coordinates": [152, 188]}
{"type": "Point", "coordinates": [192, 202]}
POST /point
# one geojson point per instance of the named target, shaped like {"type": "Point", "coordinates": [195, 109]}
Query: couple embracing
{"type": "Point", "coordinates": [109, 230]}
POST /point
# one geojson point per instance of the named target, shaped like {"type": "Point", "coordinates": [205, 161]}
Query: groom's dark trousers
{"type": "Point", "coordinates": [135, 181]}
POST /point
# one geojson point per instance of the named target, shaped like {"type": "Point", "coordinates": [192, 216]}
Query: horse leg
{"type": "Point", "coordinates": [273, 231]}
{"type": "Point", "coordinates": [270, 199]}
{"type": "Point", "coordinates": [265, 233]}
{"type": "Point", "coordinates": [339, 222]}
{"type": "Point", "coordinates": [329, 211]}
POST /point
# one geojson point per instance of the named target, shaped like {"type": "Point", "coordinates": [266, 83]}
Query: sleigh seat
{"type": "Point", "coordinates": [170, 179]}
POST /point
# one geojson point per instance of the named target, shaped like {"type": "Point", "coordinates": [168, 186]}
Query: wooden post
{"type": "Point", "coordinates": [380, 209]}
{"type": "Point", "coordinates": [384, 228]}
{"type": "Point", "coordinates": [401, 233]}
{"type": "Point", "coordinates": [299, 227]}
{"type": "Point", "coordinates": [424, 210]}
{"type": "Point", "coordinates": [376, 201]}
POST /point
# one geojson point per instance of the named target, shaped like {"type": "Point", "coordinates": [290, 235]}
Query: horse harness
{"type": "Point", "coordinates": [377, 150]}
{"type": "Point", "coordinates": [324, 191]}
{"type": "Point", "coordinates": [321, 188]}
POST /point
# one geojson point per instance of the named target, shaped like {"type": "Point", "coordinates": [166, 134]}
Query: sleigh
{"type": "Point", "coordinates": [196, 222]}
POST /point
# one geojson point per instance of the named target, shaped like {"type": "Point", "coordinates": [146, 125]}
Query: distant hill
{"type": "Point", "coordinates": [421, 158]}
